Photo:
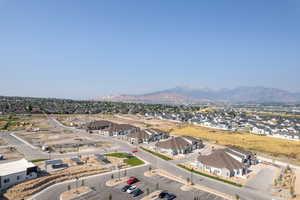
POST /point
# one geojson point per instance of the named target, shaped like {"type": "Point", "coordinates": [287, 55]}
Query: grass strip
{"type": "Point", "coordinates": [38, 160]}
{"type": "Point", "coordinates": [131, 160]}
{"type": "Point", "coordinates": [209, 176]}
{"type": "Point", "coordinates": [157, 154]}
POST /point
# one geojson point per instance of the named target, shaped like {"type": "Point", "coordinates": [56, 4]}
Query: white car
{"type": "Point", "coordinates": [131, 189]}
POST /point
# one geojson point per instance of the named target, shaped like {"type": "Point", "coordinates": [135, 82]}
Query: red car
{"type": "Point", "coordinates": [135, 151]}
{"type": "Point", "coordinates": [132, 180]}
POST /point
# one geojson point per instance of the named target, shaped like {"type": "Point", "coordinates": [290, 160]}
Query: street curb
{"type": "Point", "coordinates": [23, 141]}
{"type": "Point", "coordinates": [83, 178]}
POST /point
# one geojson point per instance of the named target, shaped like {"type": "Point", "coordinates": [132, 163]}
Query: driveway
{"type": "Point", "coordinates": [263, 180]}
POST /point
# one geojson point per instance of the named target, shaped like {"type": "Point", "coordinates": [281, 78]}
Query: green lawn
{"type": "Point", "coordinates": [209, 176]}
{"type": "Point", "coordinates": [131, 160]}
{"type": "Point", "coordinates": [38, 160]}
{"type": "Point", "coordinates": [157, 154]}
{"type": "Point", "coordinates": [134, 161]}
{"type": "Point", "coordinates": [118, 155]}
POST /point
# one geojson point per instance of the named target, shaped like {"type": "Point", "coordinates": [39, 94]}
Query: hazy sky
{"type": "Point", "coordinates": [89, 48]}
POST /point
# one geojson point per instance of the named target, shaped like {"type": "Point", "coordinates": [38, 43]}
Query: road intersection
{"type": "Point", "coordinates": [245, 193]}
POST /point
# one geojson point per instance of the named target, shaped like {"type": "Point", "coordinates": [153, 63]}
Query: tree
{"type": "Point", "coordinates": [69, 187]}
{"type": "Point", "coordinates": [237, 197]}
{"type": "Point", "coordinates": [110, 196]}
{"type": "Point", "coordinates": [112, 176]}
{"type": "Point", "coordinates": [150, 168]}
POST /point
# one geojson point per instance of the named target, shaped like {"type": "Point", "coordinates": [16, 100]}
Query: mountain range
{"type": "Point", "coordinates": [186, 95]}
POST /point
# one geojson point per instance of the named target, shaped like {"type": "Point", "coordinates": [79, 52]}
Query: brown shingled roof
{"type": "Point", "coordinates": [140, 135]}
{"type": "Point", "coordinates": [174, 143]}
{"type": "Point", "coordinates": [220, 159]}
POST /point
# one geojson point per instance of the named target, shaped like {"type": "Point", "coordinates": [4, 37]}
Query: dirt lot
{"type": "Point", "coordinates": [10, 153]}
{"type": "Point", "coordinates": [297, 183]}
{"type": "Point", "coordinates": [63, 141]}
{"type": "Point", "coordinates": [2, 143]}
{"type": "Point", "coordinates": [136, 120]}
{"type": "Point", "coordinates": [40, 122]}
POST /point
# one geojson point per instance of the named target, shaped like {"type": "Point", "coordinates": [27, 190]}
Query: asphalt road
{"type": "Point", "coordinates": [245, 193]}
{"type": "Point", "coordinates": [98, 183]}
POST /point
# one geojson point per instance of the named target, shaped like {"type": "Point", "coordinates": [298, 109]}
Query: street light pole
{"type": "Point", "coordinates": [119, 172]}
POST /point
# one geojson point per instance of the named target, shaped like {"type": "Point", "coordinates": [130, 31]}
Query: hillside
{"type": "Point", "coordinates": [183, 95]}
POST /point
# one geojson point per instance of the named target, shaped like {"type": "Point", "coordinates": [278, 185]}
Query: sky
{"type": "Point", "coordinates": [85, 49]}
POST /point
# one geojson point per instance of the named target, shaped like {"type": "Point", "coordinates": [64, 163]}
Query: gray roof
{"type": "Point", "coordinates": [220, 159]}
{"type": "Point", "coordinates": [174, 143]}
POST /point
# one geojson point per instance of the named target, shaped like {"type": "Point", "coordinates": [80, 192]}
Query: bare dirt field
{"type": "Point", "coordinates": [63, 141]}
{"type": "Point", "coordinates": [297, 183]}
{"type": "Point", "coordinates": [136, 120]}
{"type": "Point", "coordinates": [10, 153]}
{"type": "Point", "coordinates": [2, 143]}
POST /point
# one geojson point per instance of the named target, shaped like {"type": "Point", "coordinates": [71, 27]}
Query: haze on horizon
{"type": "Point", "coordinates": [85, 49]}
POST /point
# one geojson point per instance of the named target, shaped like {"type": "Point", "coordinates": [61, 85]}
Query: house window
{"type": "Point", "coordinates": [6, 180]}
{"type": "Point", "coordinates": [18, 177]}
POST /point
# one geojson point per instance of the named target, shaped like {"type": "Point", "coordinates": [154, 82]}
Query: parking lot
{"type": "Point", "coordinates": [98, 184]}
{"type": "Point", "coordinates": [151, 183]}
{"type": "Point", "coordinates": [163, 184]}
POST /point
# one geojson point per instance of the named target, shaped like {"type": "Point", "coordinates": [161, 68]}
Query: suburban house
{"type": "Point", "coordinates": [179, 145]}
{"type": "Point", "coordinates": [243, 156]}
{"type": "Point", "coordinates": [227, 162]}
{"type": "Point", "coordinates": [98, 125]}
{"type": "Point", "coordinates": [147, 136]}
{"type": "Point", "coordinates": [14, 172]}
{"type": "Point", "coordinates": [120, 130]}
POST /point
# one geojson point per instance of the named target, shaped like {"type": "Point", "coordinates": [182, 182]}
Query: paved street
{"type": "Point", "coordinates": [98, 183]}
{"type": "Point", "coordinates": [21, 147]}
{"type": "Point", "coordinates": [246, 193]}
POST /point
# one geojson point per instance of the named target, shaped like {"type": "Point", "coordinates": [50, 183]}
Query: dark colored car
{"type": "Point", "coordinates": [137, 192]}
{"type": "Point", "coordinates": [132, 180]}
{"type": "Point", "coordinates": [125, 188]}
{"type": "Point", "coordinates": [162, 194]}
{"type": "Point", "coordinates": [170, 196]}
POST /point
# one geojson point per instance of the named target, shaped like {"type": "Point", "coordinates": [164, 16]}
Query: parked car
{"type": "Point", "coordinates": [131, 189]}
{"type": "Point", "coordinates": [135, 151]}
{"type": "Point", "coordinates": [1, 157]}
{"type": "Point", "coordinates": [162, 194]}
{"type": "Point", "coordinates": [170, 196]}
{"type": "Point", "coordinates": [137, 192]}
{"type": "Point", "coordinates": [125, 188]}
{"type": "Point", "coordinates": [166, 195]}
{"type": "Point", "coordinates": [132, 180]}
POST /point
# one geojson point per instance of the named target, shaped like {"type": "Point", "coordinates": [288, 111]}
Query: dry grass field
{"type": "Point", "coordinates": [275, 147]}
{"type": "Point", "coordinates": [284, 150]}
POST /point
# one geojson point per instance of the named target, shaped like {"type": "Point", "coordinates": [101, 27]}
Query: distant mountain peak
{"type": "Point", "coordinates": [199, 95]}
